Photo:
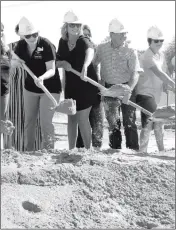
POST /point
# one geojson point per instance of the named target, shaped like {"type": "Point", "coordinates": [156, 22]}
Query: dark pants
{"type": "Point", "coordinates": [115, 136]}
{"type": "Point", "coordinates": [96, 121]}
{"type": "Point", "coordinates": [112, 106]}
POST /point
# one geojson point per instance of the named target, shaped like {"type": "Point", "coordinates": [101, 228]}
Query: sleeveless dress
{"type": "Point", "coordinates": [83, 92]}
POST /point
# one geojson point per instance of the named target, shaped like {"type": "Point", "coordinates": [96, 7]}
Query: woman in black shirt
{"type": "Point", "coordinates": [39, 55]}
{"type": "Point", "coordinates": [76, 51]}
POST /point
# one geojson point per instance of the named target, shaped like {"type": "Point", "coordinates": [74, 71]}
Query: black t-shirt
{"type": "Point", "coordinates": [44, 52]}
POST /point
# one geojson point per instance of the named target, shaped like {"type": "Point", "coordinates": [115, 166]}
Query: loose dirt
{"type": "Point", "coordinates": [79, 189]}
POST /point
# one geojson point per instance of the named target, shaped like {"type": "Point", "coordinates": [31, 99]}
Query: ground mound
{"type": "Point", "coordinates": [87, 189]}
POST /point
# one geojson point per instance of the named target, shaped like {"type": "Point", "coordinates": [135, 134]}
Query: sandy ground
{"type": "Point", "coordinates": [61, 189]}
{"type": "Point", "coordinates": [60, 122]}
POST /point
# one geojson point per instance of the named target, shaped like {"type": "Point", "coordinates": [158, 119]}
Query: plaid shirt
{"type": "Point", "coordinates": [117, 65]}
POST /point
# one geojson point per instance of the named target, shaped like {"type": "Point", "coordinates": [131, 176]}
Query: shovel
{"type": "Point", "coordinates": [113, 91]}
{"type": "Point", "coordinates": [67, 106]}
{"type": "Point", "coordinates": [35, 78]}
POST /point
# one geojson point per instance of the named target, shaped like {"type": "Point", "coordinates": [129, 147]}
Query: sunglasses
{"type": "Point", "coordinates": [72, 25]}
{"type": "Point", "coordinates": [157, 40]}
{"type": "Point", "coordinates": [31, 35]}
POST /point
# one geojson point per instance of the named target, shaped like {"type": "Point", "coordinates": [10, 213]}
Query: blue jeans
{"type": "Point", "coordinates": [112, 112]}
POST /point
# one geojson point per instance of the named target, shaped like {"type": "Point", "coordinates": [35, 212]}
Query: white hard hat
{"type": "Point", "coordinates": [116, 26]}
{"type": "Point", "coordinates": [154, 33]}
{"type": "Point", "coordinates": [71, 17]}
{"type": "Point", "coordinates": [26, 27]}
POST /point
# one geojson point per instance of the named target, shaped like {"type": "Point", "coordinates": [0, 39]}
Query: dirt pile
{"type": "Point", "coordinates": [80, 189]}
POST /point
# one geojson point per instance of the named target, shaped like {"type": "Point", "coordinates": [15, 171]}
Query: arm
{"type": "Point", "coordinates": [132, 83]}
{"type": "Point", "coordinates": [170, 69]}
{"type": "Point", "coordinates": [89, 57]}
{"type": "Point", "coordinates": [150, 63]}
{"type": "Point", "coordinates": [133, 80]}
{"type": "Point", "coordinates": [97, 65]}
{"type": "Point", "coordinates": [163, 76]}
{"type": "Point", "coordinates": [50, 70]}
{"type": "Point", "coordinates": [63, 79]}
{"type": "Point", "coordinates": [87, 47]}
{"type": "Point", "coordinates": [97, 70]}
{"type": "Point", "coordinates": [135, 69]}
{"type": "Point", "coordinates": [96, 59]}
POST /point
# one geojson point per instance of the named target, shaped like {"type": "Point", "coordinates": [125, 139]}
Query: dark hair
{"type": "Point", "coordinates": [17, 29]}
{"type": "Point", "coordinates": [149, 40]}
{"type": "Point", "coordinates": [86, 27]}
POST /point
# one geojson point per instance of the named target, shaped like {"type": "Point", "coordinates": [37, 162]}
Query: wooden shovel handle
{"type": "Point", "coordinates": [140, 108]}
{"type": "Point", "coordinates": [89, 80]}
{"type": "Point", "coordinates": [35, 78]}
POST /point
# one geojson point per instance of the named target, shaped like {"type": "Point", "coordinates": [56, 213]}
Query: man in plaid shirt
{"type": "Point", "coordinates": [119, 65]}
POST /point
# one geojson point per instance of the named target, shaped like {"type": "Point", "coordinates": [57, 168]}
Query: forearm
{"type": "Point", "coordinates": [133, 80]}
{"type": "Point", "coordinates": [165, 78]}
{"type": "Point", "coordinates": [170, 69]}
{"type": "Point", "coordinates": [97, 70]}
{"type": "Point", "coordinates": [48, 74]}
{"type": "Point", "coordinates": [63, 79]}
{"type": "Point", "coordinates": [89, 57]}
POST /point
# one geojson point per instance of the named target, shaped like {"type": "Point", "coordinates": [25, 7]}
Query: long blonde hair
{"type": "Point", "coordinates": [64, 31]}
